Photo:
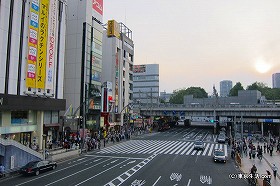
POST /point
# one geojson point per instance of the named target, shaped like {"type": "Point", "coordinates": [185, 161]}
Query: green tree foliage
{"type": "Point", "coordinates": [235, 89]}
{"type": "Point", "coordinates": [269, 93]}
{"type": "Point", "coordinates": [178, 95]}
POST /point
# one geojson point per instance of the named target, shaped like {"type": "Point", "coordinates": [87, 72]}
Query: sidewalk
{"type": "Point", "coordinates": [263, 165]}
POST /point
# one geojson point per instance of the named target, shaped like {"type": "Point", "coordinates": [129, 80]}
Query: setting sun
{"type": "Point", "coordinates": [262, 66]}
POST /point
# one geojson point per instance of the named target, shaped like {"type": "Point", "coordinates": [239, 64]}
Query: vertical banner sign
{"type": "Point", "coordinates": [32, 44]}
{"type": "Point", "coordinates": [117, 83]}
{"type": "Point", "coordinates": [51, 45]}
{"type": "Point", "coordinates": [42, 44]}
{"type": "Point", "coordinates": [97, 5]}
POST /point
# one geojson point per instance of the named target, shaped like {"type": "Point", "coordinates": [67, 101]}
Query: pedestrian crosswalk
{"type": "Point", "coordinates": [162, 147]}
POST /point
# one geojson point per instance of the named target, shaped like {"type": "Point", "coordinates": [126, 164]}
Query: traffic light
{"type": "Point", "coordinates": [212, 121]}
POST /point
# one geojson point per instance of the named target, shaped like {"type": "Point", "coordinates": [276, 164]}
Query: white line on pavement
{"type": "Point", "coordinates": [156, 181]}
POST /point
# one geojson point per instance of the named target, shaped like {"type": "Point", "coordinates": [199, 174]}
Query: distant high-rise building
{"type": "Point", "coordinates": [276, 80]}
{"type": "Point", "coordinates": [146, 83]}
{"type": "Point", "coordinates": [225, 87]}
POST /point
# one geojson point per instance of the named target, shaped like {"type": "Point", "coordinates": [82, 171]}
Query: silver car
{"type": "Point", "coordinates": [219, 156]}
{"type": "Point", "coordinates": [198, 145]}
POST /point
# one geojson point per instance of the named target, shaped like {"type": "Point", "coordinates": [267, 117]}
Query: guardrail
{"type": "Point", "coordinates": [7, 142]}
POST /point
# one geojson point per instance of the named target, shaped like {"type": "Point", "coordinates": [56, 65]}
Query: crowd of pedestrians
{"type": "Point", "coordinates": [248, 148]}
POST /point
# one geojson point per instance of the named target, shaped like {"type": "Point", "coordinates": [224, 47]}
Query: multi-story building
{"type": "Point", "coordinates": [225, 87]}
{"type": "Point", "coordinates": [32, 44]}
{"type": "Point", "coordinates": [83, 65]}
{"type": "Point", "coordinates": [276, 80]}
{"type": "Point", "coordinates": [146, 84]}
{"type": "Point", "coordinates": [165, 97]}
{"type": "Point", "coordinates": [118, 69]}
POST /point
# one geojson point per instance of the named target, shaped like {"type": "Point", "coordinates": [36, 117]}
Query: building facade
{"type": "Point", "coordinates": [32, 43]}
{"type": "Point", "coordinates": [83, 66]}
{"type": "Point", "coordinates": [146, 84]}
{"type": "Point", "coordinates": [245, 97]}
{"type": "Point", "coordinates": [276, 80]}
{"type": "Point", "coordinates": [118, 69]}
{"type": "Point", "coordinates": [225, 87]}
{"type": "Point", "coordinates": [165, 97]}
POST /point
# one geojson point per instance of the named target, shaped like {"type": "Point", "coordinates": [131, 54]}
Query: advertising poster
{"type": "Point", "coordinates": [32, 44]}
{"type": "Point", "coordinates": [97, 5]}
{"type": "Point", "coordinates": [42, 44]}
{"type": "Point", "coordinates": [51, 44]}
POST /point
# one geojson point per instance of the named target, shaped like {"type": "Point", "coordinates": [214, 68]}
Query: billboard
{"type": "Point", "coordinates": [139, 68]}
{"type": "Point", "coordinates": [51, 43]}
{"type": "Point", "coordinates": [32, 44]}
{"type": "Point", "coordinates": [113, 29]}
{"type": "Point", "coordinates": [42, 44]}
{"type": "Point", "coordinates": [97, 5]}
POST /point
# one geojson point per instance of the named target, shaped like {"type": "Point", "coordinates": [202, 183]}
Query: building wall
{"type": "Point", "coordinates": [245, 97]}
{"type": "Point", "coordinates": [146, 84]}
{"type": "Point", "coordinates": [276, 80]}
{"type": "Point", "coordinates": [225, 87]}
{"type": "Point", "coordinates": [15, 52]}
{"type": "Point", "coordinates": [117, 65]}
{"type": "Point", "coordinates": [84, 60]}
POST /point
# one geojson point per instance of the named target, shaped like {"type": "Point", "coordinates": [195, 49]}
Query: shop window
{"type": "Point", "coordinates": [19, 117]}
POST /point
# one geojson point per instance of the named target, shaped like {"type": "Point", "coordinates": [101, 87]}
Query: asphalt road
{"type": "Point", "coordinates": [156, 159]}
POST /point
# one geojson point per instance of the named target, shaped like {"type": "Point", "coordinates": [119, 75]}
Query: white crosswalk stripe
{"type": "Point", "coordinates": [162, 147]}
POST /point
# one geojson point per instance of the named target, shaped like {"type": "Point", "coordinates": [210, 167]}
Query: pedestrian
{"type": "Point", "coordinates": [250, 153]}
{"type": "Point", "coordinates": [264, 147]}
{"type": "Point", "coordinates": [274, 169]}
{"type": "Point", "coordinates": [271, 149]}
{"type": "Point", "coordinates": [104, 141]}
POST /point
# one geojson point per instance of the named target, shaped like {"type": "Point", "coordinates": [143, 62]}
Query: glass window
{"type": "Point", "coordinates": [19, 117]}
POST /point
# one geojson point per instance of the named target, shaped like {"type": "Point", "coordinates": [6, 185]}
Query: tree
{"type": "Point", "coordinates": [269, 93]}
{"type": "Point", "coordinates": [235, 89]}
{"type": "Point", "coordinates": [178, 95]}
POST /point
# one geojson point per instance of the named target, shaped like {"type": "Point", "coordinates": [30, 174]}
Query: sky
{"type": "Point", "coordinates": [202, 42]}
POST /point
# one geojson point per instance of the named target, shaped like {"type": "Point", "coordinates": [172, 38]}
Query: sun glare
{"type": "Point", "coordinates": [262, 66]}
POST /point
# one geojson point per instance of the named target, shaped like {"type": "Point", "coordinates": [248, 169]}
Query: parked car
{"type": "Point", "coordinates": [198, 145]}
{"type": "Point", "coordinates": [219, 156]}
{"type": "Point", "coordinates": [37, 167]}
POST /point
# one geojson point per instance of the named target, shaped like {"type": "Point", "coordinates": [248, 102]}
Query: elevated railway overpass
{"type": "Point", "coordinates": [262, 118]}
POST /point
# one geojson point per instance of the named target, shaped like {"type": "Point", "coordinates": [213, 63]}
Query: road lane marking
{"type": "Point", "coordinates": [123, 157]}
{"type": "Point", "coordinates": [81, 171]}
{"type": "Point", "coordinates": [189, 146]}
{"type": "Point", "coordinates": [182, 148]}
{"type": "Point", "coordinates": [205, 136]}
{"type": "Point", "coordinates": [205, 150]}
{"type": "Point", "coordinates": [189, 182]}
{"type": "Point", "coordinates": [156, 181]}
{"type": "Point", "coordinates": [141, 164]}
{"type": "Point", "coordinates": [210, 151]}
{"type": "Point", "coordinates": [42, 176]}
{"type": "Point", "coordinates": [100, 173]}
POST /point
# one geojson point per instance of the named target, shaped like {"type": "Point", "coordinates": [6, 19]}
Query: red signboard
{"type": "Point", "coordinates": [98, 6]}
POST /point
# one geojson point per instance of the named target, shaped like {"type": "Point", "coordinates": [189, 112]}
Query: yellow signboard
{"type": "Point", "coordinates": [42, 45]}
{"type": "Point", "coordinates": [32, 44]}
{"type": "Point", "coordinates": [113, 29]}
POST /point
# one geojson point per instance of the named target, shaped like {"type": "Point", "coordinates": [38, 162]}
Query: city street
{"type": "Point", "coordinates": [159, 158]}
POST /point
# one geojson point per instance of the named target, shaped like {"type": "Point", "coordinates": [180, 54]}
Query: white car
{"type": "Point", "coordinates": [219, 156]}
